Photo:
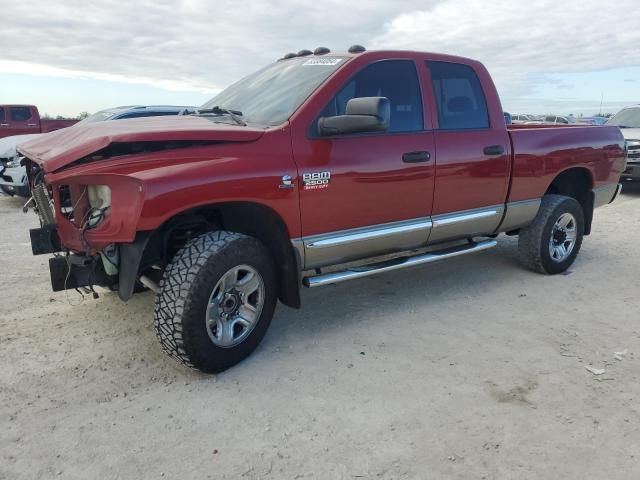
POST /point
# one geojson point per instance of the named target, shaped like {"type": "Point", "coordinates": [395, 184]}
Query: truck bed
{"type": "Point", "coordinates": [537, 157]}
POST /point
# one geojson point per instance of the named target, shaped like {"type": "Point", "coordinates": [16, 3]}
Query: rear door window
{"type": "Point", "coordinates": [459, 96]}
{"type": "Point", "coordinates": [3, 118]}
{"type": "Point", "coordinates": [20, 114]}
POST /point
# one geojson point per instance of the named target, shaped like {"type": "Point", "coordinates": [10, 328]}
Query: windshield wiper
{"type": "Point", "coordinates": [234, 114]}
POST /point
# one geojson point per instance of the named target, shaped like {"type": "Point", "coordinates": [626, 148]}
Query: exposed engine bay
{"type": "Point", "coordinates": [84, 207]}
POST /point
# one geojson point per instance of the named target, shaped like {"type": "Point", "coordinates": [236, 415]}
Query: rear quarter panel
{"type": "Point", "coordinates": [543, 152]}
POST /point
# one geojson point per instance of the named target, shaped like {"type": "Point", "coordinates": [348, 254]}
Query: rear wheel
{"type": "Point", "coordinates": [216, 300]}
{"type": "Point", "coordinates": [552, 241]}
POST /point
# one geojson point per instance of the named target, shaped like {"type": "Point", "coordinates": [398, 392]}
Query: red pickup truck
{"type": "Point", "coordinates": [25, 119]}
{"type": "Point", "coordinates": [317, 169]}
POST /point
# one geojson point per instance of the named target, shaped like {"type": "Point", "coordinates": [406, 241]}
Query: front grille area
{"type": "Point", "coordinates": [41, 194]}
{"type": "Point", "coordinates": [633, 151]}
{"type": "Point", "coordinates": [74, 203]}
{"type": "Point", "coordinates": [44, 205]}
{"type": "Point", "coordinates": [70, 202]}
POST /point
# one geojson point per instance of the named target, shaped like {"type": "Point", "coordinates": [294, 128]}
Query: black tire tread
{"type": "Point", "coordinates": [530, 241]}
{"type": "Point", "coordinates": [176, 292]}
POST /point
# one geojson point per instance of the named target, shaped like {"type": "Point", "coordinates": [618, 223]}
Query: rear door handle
{"type": "Point", "coordinates": [494, 150]}
{"type": "Point", "coordinates": [32, 124]}
{"type": "Point", "coordinates": [415, 157]}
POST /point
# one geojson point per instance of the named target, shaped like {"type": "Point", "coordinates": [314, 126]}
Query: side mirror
{"type": "Point", "coordinates": [364, 114]}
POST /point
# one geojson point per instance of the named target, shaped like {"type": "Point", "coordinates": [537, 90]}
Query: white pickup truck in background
{"type": "Point", "coordinates": [628, 120]}
{"type": "Point", "coordinates": [13, 176]}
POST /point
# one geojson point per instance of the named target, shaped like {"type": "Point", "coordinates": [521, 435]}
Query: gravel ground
{"type": "Point", "coordinates": [469, 369]}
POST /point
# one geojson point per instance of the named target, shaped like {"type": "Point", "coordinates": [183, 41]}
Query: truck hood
{"type": "Point", "coordinates": [55, 150]}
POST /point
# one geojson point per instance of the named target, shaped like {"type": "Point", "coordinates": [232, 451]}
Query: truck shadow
{"type": "Point", "coordinates": [631, 188]}
{"type": "Point", "coordinates": [371, 302]}
{"type": "Point", "coordinates": [341, 313]}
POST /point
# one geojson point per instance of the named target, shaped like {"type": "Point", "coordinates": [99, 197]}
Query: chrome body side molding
{"type": "Point", "coordinates": [605, 194]}
{"type": "Point", "coordinates": [354, 244]}
{"type": "Point", "coordinates": [344, 246]}
{"type": "Point", "coordinates": [520, 214]}
{"type": "Point", "coordinates": [465, 224]}
{"type": "Point", "coordinates": [368, 234]}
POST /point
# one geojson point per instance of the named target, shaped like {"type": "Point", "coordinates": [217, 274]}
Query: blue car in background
{"type": "Point", "coordinates": [594, 120]}
{"type": "Point", "coordinates": [599, 120]}
{"type": "Point", "coordinates": [13, 176]}
{"type": "Point", "coordinates": [137, 111]}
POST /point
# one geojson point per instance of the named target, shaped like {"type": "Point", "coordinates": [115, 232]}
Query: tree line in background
{"type": "Point", "coordinates": [80, 116]}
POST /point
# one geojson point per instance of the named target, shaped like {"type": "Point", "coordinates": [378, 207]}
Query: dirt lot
{"type": "Point", "coordinates": [469, 369]}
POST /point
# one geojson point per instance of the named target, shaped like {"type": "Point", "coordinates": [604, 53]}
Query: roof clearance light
{"type": "Point", "coordinates": [356, 49]}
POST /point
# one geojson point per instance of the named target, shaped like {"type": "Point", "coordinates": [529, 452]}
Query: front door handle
{"type": "Point", "coordinates": [32, 124]}
{"type": "Point", "coordinates": [415, 157]}
{"type": "Point", "coordinates": [494, 150]}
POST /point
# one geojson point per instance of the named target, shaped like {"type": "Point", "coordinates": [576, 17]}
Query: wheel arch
{"type": "Point", "coordinates": [577, 183]}
{"type": "Point", "coordinates": [249, 218]}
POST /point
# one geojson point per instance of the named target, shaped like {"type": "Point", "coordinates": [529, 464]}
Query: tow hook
{"type": "Point", "coordinates": [150, 284]}
{"type": "Point", "coordinates": [25, 207]}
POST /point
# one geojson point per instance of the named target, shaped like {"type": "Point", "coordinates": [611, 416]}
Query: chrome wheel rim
{"type": "Point", "coordinates": [235, 305]}
{"type": "Point", "coordinates": [563, 237]}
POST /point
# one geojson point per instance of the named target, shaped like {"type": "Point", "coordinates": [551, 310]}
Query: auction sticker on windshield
{"type": "Point", "coordinates": [323, 61]}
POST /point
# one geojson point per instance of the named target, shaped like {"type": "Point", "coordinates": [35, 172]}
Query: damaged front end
{"type": "Point", "coordinates": [89, 212]}
{"type": "Point", "coordinates": [78, 228]}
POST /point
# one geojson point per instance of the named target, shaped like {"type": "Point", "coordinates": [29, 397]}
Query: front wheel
{"type": "Point", "coordinates": [552, 241]}
{"type": "Point", "coordinates": [216, 300]}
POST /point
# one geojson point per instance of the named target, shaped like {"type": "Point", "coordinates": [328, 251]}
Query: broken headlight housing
{"type": "Point", "coordinates": [100, 202]}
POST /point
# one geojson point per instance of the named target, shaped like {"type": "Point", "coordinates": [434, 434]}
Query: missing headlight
{"type": "Point", "coordinates": [100, 202]}
{"type": "Point", "coordinates": [99, 196]}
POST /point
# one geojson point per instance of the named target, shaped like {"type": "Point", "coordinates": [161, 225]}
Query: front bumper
{"type": "Point", "coordinates": [67, 271]}
{"type": "Point", "coordinates": [14, 181]}
{"type": "Point", "coordinates": [45, 240]}
{"type": "Point", "coordinates": [632, 171]}
{"type": "Point", "coordinates": [70, 271]}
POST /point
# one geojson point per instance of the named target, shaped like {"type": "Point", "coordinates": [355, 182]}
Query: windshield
{"type": "Point", "coordinates": [271, 95]}
{"type": "Point", "coordinates": [629, 117]}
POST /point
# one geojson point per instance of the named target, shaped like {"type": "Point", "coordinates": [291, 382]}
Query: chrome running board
{"type": "Point", "coordinates": [395, 264]}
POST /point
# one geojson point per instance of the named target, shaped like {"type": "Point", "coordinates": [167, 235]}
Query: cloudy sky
{"type": "Point", "coordinates": [546, 56]}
